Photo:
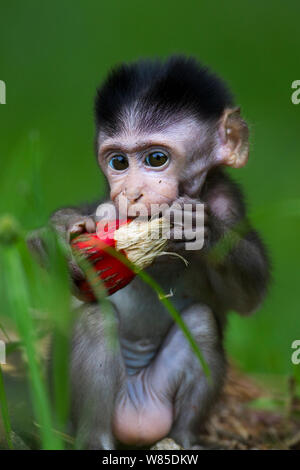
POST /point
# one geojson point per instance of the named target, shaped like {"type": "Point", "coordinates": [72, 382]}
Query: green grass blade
{"type": "Point", "coordinates": [20, 307]}
{"type": "Point", "coordinates": [61, 318]}
{"type": "Point", "coordinates": [4, 411]}
{"type": "Point", "coordinates": [3, 329]}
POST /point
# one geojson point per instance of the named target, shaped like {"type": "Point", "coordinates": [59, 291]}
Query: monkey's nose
{"type": "Point", "coordinates": [133, 198]}
{"type": "Point", "coordinates": [137, 198]}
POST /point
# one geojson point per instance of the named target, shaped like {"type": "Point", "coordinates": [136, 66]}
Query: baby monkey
{"type": "Point", "coordinates": [164, 133]}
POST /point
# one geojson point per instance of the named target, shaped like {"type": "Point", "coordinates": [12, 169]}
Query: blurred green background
{"type": "Point", "coordinates": [54, 54]}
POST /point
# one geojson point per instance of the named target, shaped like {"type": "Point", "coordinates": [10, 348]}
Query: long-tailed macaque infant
{"type": "Point", "coordinates": [164, 133]}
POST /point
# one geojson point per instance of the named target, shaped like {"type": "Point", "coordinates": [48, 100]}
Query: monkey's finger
{"type": "Point", "coordinates": [176, 233]}
{"type": "Point", "coordinates": [176, 245]}
{"type": "Point", "coordinates": [90, 225]}
{"type": "Point", "coordinates": [207, 214]}
{"type": "Point", "coordinates": [206, 233]}
{"type": "Point", "coordinates": [76, 229]}
{"type": "Point", "coordinates": [76, 272]}
{"type": "Point", "coordinates": [83, 225]}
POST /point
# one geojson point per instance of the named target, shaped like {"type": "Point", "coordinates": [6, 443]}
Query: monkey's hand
{"type": "Point", "coordinates": [69, 223]}
{"type": "Point", "coordinates": [189, 224]}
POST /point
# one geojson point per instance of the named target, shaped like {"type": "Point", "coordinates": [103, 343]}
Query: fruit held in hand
{"type": "Point", "coordinates": [139, 241]}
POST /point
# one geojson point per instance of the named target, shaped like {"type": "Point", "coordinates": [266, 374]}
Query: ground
{"type": "Point", "coordinates": [249, 415]}
{"type": "Point", "coordinates": [235, 424]}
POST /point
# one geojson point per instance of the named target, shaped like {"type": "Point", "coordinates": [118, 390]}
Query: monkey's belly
{"type": "Point", "coordinates": [142, 415]}
{"type": "Point", "coordinates": [137, 354]}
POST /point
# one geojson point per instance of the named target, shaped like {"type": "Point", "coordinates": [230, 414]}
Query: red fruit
{"type": "Point", "coordinates": [113, 273]}
{"type": "Point", "coordinates": [139, 241]}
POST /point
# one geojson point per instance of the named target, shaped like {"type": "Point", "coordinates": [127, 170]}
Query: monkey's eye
{"type": "Point", "coordinates": [118, 162]}
{"type": "Point", "coordinates": [156, 159]}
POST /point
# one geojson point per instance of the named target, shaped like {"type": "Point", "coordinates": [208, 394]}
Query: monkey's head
{"type": "Point", "coordinates": [160, 127]}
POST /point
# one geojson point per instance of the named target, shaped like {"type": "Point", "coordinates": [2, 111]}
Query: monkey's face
{"type": "Point", "coordinates": [145, 169]}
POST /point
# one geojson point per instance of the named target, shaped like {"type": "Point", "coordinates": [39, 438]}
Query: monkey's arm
{"type": "Point", "coordinates": [72, 218]}
{"type": "Point", "coordinates": [236, 257]}
{"type": "Point", "coordinates": [65, 221]}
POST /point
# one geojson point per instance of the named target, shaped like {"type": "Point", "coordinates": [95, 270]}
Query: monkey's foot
{"type": "Point", "coordinates": [166, 444]}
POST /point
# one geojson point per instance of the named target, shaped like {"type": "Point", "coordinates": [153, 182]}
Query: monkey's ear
{"type": "Point", "coordinates": [234, 137]}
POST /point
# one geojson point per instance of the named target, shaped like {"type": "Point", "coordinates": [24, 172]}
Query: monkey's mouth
{"type": "Point", "coordinates": [143, 216]}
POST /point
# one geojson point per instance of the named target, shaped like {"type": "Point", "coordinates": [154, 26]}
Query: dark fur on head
{"type": "Point", "coordinates": [159, 93]}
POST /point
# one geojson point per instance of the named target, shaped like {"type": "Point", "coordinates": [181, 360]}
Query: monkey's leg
{"type": "Point", "coordinates": [172, 396]}
{"type": "Point", "coordinates": [178, 373]}
{"type": "Point", "coordinates": [97, 373]}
